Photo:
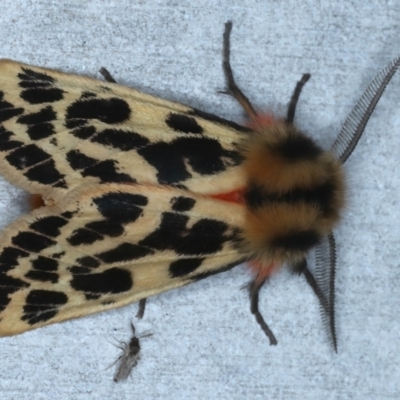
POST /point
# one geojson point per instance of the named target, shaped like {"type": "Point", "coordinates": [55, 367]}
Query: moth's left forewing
{"type": "Point", "coordinates": [59, 130]}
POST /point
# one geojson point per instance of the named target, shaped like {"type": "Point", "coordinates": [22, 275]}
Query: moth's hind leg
{"type": "Point", "coordinates": [255, 287]}
{"type": "Point", "coordinates": [232, 87]}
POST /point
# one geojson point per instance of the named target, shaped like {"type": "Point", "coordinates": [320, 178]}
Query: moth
{"type": "Point", "coordinates": [143, 195]}
{"type": "Point", "coordinates": [129, 357]}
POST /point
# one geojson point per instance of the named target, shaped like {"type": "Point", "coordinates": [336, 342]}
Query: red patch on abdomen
{"type": "Point", "coordinates": [262, 272]}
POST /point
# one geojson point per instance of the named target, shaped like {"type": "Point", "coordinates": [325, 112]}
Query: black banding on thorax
{"type": "Point", "coordinates": [298, 147]}
{"type": "Point", "coordinates": [302, 240]}
{"type": "Point", "coordinates": [321, 195]}
{"type": "Point", "coordinates": [172, 234]}
{"type": "Point", "coordinates": [42, 305]}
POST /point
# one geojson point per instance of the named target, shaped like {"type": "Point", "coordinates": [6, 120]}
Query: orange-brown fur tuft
{"type": "Point", "coordinates": [294, 196]}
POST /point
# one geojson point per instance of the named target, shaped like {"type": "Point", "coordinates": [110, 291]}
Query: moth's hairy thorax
{"type": "Point", "coordinates": [295, 193]}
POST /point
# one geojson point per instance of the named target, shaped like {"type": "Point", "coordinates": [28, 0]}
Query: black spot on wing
{"type": "Point", "coordinates": [8, 286]}
{"type": "Point", "coordinates": [206, 236]}
{"type": "Point", "coordinates": [30, 77]}
{"type": "Point", "coordinates": [123, 253]}
{"type": "Point", "coordinates": [7, 110]}
{"type": "Point", "coordinates": [9, 258]}
{"type": "Point", "coordinates": [27, 156]}
{"type": "Point", "coordinates": [6, 140]}
{"type": "Point", "coordinates": [106, 227]}
{"type": "Point", "coordinates": [105, 170]}
{"type": "Point", "coordinates": [113, 280]}
{"type": "Point", "coordinates": [87, 94]}
{"type": "Point", "coordinates": [110, 111]}
{"type": "Point", "coordinates": [49, 226]}
{"type": "Point", "coordinates": [39, 87]}
{"type": "Point", "coordinates": [78, 160]}
{"type": "Point", "coordinates": [89, 262]}
{"type": "Point", "coordinates": [168, 162]}
{"type": "Point", "coordinates": [85, 132]}
{"type": "Point", "coordinates": [47, 174]}
{"type": "Point", "coordinates": [45, 264]}
{"type": "Point", "coordinates": [182, 203]}
{"type": "Point", "coordinates": [184, 266]}
{"type": "Point", "coordinates": [32, 242]}
{"type": "Point", "coordinates": [206, 156]}
{"type": "Point", "coordinates": [42, 305]}
{"type": "Point", "coordinates": [119, 139]}
{"type": "Point", "coordinates": [46, 114]}
{"type": "Point", "coordinates": [183, 123]}
{"type": "Point", "coordinates": [121, 207]}
{"type": "Point", "coordinates": [82, 236]}
{"type": "Point", "coordinates": [42, 276]}
{"type": "Point", "coordinates": [40, 95]}
{"type": "Point", "coordinates": [40, 131]}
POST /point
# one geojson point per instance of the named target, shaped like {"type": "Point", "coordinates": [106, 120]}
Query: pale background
{"type": "Point", "coordinates": [205, 342]}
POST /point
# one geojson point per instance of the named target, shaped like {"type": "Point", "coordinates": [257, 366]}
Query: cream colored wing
{"type": "Point", "coordinates": [105, 246]}
{"type": "Point", "coordinates": [59, 130]}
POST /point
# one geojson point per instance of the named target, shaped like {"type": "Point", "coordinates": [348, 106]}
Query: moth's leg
{"type": "Point", "coordinates": [232, 88]}
{"type": "Point", "coordinates": [295, 98]}
{"type": "Point", "coordinates": [255, 287]}
{"type": "Point", "coordinates": [142, 307]}
{"type": "Point", "coordinates": [107, 76]}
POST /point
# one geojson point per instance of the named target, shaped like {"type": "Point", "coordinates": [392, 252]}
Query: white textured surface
{"type": "Point", "coordinates": [206, 343]}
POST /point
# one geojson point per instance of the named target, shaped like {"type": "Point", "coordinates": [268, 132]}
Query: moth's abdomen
{"type": "Point", "coordinates": [294, 196]}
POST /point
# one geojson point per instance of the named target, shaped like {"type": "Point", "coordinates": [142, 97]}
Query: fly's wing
{"type": "Point", "coordinates": [105, 246]}
{"type": "Point", "coordinates": [58, 131]}
{"type": "Point", "coordinates": [350, 134]}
